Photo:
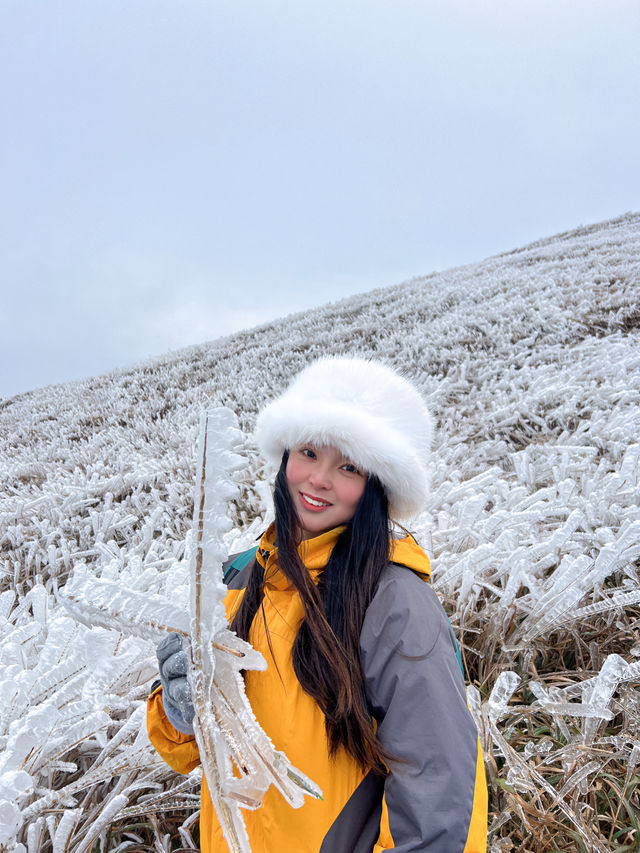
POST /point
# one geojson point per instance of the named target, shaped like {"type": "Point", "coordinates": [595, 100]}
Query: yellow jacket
{"type": "Point", "coordinates": [433, 800]}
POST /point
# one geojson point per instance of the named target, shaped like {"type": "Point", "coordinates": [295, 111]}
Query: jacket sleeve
{"type": "Point", "coordinates": [180, 751]}
{"type": "Point", "coordinates": [435, 795]}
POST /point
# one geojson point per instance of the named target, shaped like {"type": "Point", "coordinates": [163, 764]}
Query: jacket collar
{"type": "Point", "coordinates": [407, 552]}
{"type": "Point", "coordinates": [315, 554]}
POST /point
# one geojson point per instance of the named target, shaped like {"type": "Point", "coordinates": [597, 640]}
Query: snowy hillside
{"type": "Point", "coordinates": [531, 364]}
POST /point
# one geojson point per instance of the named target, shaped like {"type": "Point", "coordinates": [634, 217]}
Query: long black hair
{"type": "Point", "coordinates": [326, 651]}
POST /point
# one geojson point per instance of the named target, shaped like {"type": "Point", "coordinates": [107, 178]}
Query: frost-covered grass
{"type": "Point", "coordinates": [531, 364]}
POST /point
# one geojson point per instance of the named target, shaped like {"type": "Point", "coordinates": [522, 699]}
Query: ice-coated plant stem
{"type": "Point", "coordinates": [227, 733]}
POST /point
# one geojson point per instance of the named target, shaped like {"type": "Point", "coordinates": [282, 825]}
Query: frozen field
{"type": "Point", "coordinates": [531, 363]}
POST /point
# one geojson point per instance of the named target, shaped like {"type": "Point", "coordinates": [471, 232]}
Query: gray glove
{"type": "Point", "coordinates": [176, 693]}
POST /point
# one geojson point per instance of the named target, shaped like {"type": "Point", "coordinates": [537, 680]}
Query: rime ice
{"type": "Point", "coordinates": [227, 733]}
{"type": "Point", "coordinates": [531, 363]}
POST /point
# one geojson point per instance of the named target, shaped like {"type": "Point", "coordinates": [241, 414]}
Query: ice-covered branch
{"type": "Point", "coordinates": [227, 732]}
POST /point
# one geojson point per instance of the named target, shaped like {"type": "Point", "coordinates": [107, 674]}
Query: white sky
{"type": "Point", "coordinates": [171, 172]}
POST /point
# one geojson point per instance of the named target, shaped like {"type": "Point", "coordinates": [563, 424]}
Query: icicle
{"type": "Point", "coordinates": [7, 600]}
{"type": "Point", "coordinates": [64, 829]}
{"type": "Point", "coordinates": [518, 779]}
{"type": "Point", "coordinates": [10, 821]}
{"type": "Point", "coordinates": [598, 691]}
{"type": "Point", "coordinates": [499, 820]}
{"type": "Point", "coordinates": [619, 598]}
{"type": "Point", "coordinates": [543, 747]}
{"type": "Point", "coordinates": [630, 468]}
{"type": "Point", "coordinates": [569, 709]}
{"type": "Point", "coordinates": [107, 815]}
{"type": "Point", "coordinates": [34, 835]}
{"type": "Point", "coordinates": [184, 828]}
{"type": "Point", "coordinates": [547, 702]}
{"type": "Point", "coordinates": [503, 689]}
{"type": "Point", "coordinates": [96, 601]}
{"type": "Point", "coordinates": [577, 778]}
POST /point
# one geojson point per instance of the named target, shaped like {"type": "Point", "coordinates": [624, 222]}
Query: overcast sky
{"type": "Point", "coordinates": [175, 170]}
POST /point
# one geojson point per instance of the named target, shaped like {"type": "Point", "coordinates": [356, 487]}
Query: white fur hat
{"type": "Point", "coordinates": [365, 409]}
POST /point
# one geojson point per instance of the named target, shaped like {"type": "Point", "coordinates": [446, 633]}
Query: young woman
{"type": "Point", "coordinates": [363, 690]}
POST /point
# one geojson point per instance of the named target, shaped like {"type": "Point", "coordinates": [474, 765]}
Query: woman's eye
{"type": "Point", "coordinates": [307, 451]}
{"type": "Point", "coordinates": [351, 468]}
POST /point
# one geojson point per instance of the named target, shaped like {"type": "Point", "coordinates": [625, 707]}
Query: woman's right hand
{"type": "Point", "coordinates": [176, 693]}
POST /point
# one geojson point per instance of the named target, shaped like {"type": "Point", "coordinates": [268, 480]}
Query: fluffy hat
{"type": "Point", "coordinates": [365, 409]}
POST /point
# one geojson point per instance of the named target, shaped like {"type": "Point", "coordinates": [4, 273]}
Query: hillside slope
{"type": "Point", "coordinates": [531, 363]}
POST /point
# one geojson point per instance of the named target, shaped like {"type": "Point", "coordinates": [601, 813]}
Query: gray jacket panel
{"type": "Point", "coordinates": [416, 693]}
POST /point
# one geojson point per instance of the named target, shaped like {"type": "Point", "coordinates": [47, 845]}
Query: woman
{"type": "Point", "coordinates": [363, 691]}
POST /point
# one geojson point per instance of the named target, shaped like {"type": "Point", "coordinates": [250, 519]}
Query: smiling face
{"type": "Point", "coordinates": [325, 487]}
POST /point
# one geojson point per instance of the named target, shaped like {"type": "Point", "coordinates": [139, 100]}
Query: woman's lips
{"type": "Point", "coordinates": [313, 507]}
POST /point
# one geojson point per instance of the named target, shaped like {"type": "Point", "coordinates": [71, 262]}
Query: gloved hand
{"type": "Point", "coordinates": [176, 693]}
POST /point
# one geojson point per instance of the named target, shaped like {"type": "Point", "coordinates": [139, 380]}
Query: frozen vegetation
{"type": "Point", "coordinates": [531, 364]}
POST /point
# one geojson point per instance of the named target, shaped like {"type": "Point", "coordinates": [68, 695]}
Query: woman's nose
{"type": "Point", "coordinates": [320, 478]}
